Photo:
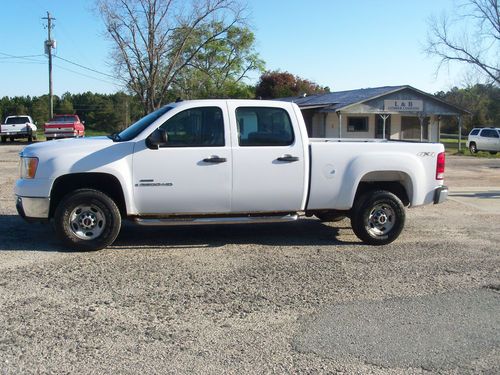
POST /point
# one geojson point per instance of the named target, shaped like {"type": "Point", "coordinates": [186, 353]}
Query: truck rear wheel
{"type": "Point", "coordinates": [87, 219]}
{"type": "Point", "coordinates": [378, 217]}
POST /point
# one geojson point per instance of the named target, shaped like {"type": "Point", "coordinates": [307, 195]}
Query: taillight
{"type": "Point", "coordinates": [440, 166]}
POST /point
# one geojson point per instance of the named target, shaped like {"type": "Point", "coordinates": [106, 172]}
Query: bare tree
{"type": "Point", "coordinates": [153, 39]}
{"type": "Point", "coordinates": [472, 37]}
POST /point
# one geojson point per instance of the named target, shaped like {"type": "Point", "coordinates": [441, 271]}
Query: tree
{"type": "Point", "coordinates": [276, 84]}
{"type": "Point", "coordinates": [155, 40]}
{"type": "Point", "coordinates": [220, 66]}
{"type": "Point", "coordinates": [65, 105]}
{"type": "Point", "coordinates": [483, 101]}
{"type": "Point", "coordinates": [473, 38]}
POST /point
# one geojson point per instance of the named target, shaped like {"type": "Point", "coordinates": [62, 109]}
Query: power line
{"type": "Point", "coordinates": [85, 67]}
{"type": "Point", "coordinates": [9, 56]}
{"type": "Point", "coordinates": [84, 75]}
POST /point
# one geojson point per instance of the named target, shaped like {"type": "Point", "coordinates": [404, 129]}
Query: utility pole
{"type": "Point", "coordinates": [49, 44]}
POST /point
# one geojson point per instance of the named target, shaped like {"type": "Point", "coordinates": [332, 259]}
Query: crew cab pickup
{"type": "Point", "coordinates": [64, 126]}
{"type": "Point", "coordinates": [15, 127]}
{"type": "Point", "coordinates": [224, 161]}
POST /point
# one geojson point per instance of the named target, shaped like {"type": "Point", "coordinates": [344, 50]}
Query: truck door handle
{"type": "Point", "coordinates": [214, 159]}
{"type": "Point", "coordinates": [288, 158]}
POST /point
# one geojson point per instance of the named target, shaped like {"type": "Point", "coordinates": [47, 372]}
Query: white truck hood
{"type": "Point", "coordinates": [77, 155]}
{"type": "Point", "coordinates": [65, 147]}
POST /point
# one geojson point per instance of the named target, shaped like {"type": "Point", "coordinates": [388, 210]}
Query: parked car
{"type": "Point", "coordinates": [64, 126]}
{"type": "Point", "coordinates": [15, 127]}
{"type": "Point", "coordinates": [224, 161]}
{"type": "Point", "coordinates": [484, 139]}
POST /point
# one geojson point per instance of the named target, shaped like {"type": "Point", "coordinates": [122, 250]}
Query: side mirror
{"type": "Point", "coordinates": [157, 138]}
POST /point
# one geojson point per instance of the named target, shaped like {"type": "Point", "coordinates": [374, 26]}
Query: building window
{"type": "Point", "coordinates": [357, 124]}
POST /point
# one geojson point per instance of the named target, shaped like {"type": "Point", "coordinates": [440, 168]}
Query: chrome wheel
{"type": "Point", "coordinates": [380, 220]}
{"type": "Point", "coordinates": [378, 217]}
{"type": "Point", "coordinates": [87, 222]}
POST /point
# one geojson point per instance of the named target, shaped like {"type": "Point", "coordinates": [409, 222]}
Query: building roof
{"type": "Point", "coordinates": [335, 101]}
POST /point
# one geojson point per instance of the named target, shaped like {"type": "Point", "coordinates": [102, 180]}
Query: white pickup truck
{"type": "Point", "coordinates": [224, 161]}
{"type": "Point", "coordinates": [15, 127]}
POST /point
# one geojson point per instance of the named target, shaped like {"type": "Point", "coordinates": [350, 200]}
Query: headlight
{"type": "Point", "coordinates": [28, 167]}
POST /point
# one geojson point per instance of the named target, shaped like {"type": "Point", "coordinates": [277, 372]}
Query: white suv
{"type": "Point", "coordinates": [484, 139]}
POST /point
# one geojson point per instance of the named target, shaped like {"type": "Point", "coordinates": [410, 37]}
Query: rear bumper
{"type": "Point", "coordinates": [440, 194]}
{"type": "Point", "coordinates": [16, 134]}
{"type": "Point", "coordinates": [60, 134]}
{"type": "Point", "coordinates": [33, 209]}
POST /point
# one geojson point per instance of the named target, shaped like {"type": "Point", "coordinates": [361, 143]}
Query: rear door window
{"type": "Point", "coordinates": [261, 126]}
{"type": "Point", "coordinates": [489, 133]}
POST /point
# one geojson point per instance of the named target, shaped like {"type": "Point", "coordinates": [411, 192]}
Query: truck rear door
{"type": "Point", "coordinates": [269, 158]}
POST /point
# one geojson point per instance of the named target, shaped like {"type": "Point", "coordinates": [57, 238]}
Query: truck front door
{"type": "Point", "coordinates": [269, 163]}
{"type": "Point", "coordinates": [191, 172]}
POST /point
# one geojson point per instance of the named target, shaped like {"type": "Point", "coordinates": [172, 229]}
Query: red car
{"type": "Point", "coordinates": [64, 126]}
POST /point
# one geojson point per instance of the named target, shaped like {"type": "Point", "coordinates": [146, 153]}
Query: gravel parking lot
{"type": "Point", "coordinates": [304, 297]}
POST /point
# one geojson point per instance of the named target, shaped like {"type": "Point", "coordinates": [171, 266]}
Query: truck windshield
{"type": "Point", "coordinates": [135, 129]}
{"type": "Point", "coordinates": [17, 120]}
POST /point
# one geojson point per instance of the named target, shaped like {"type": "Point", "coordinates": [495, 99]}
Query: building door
{"type": "Point", "coordinates": [379, 127]}
{"type": "Point", "coordinates": [410, 128]}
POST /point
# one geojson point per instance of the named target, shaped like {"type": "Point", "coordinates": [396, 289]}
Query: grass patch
{"type": "Point", "coordinates": [451, 147]}
{"type": "Point", "coordinates": [88, 133]}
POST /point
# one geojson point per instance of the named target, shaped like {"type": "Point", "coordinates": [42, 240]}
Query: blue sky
{"type": "Point", "coordinates": [341, 44]}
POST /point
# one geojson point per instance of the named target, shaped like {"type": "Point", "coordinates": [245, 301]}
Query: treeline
{"type": "Point", "coordinates": [483, 101]}
{"type": "Point", "coordinates": [114, 112]}
{"type": "Point", "coordinates": [99, 111]}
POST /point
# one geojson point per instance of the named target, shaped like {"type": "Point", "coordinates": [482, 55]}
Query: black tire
{"type": "Point", "coordinates": [12, 139]}
{"type": "Point", "coordinates": [4, 139]}
{"type": "Point", "coordinates": [87, 220]}
{"type": "Point", "coordinates": [378, 217]}
{"type": "Point", "coordinates": [493, 152]}
{"type": "Point", "coordinates": [328, 217]}
{"type": "Point", "coordinates": [473, 148]}
{"type": "Point", "coordinates": [48, 139]}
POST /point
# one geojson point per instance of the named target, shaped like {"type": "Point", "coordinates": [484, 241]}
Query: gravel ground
{"type": "Point", "coordinates": [253, 298]}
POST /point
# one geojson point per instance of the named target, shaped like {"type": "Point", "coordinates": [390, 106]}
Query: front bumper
{"type": "Point", "coordinates": [440, 194]}
{"type": "Point", "coordinates": [33, 209]}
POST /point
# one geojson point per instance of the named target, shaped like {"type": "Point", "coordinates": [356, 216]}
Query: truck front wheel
{"type": "Point", "coordinates": [378, 217]}
{"type": "Point", "coordinates": [87, 219]}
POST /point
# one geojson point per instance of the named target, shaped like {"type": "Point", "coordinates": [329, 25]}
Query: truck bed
{"type": "Point", "coordinates": [339, 165]}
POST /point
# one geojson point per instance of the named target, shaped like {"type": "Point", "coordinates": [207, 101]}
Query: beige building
{"type": "Point", "coordinates": [391, 112]}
